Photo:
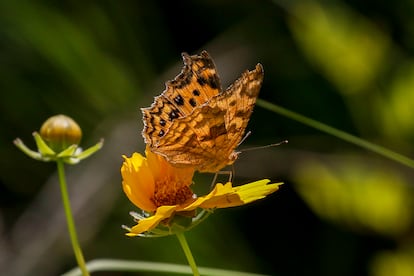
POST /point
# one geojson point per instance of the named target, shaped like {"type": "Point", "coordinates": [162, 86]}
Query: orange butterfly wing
{"type": "Point", "coordinates": [194, 123]}
{"type": "Point", "coordinates": [197, 83]}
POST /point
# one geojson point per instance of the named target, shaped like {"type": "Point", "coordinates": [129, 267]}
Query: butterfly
{"type": "Point", "coordinates": [194, 122]}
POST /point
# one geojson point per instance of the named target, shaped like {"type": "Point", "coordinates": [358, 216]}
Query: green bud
{"type": "Point", "coordinates": [59, 140]}
{"type": "Point", "coordinates": [60, 131]}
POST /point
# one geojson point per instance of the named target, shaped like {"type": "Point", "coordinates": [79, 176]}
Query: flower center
{"type": "Point", "coordinates": [170, 192]}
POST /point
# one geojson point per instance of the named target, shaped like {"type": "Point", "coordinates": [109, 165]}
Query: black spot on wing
{"type": "Point", "coordinates": [174, 114]}
{"type": "Point", "coordinates": [214, 82]}
{"type": "Point", "coordinates": [192, 102]}
{"type": "Point", "coordinates": [201, 81]}
{"type": "Point", "coordinates": [179, 100]}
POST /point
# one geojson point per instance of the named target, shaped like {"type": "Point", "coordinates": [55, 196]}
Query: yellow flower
{"type": "Point", "coordinates": [163, 191]}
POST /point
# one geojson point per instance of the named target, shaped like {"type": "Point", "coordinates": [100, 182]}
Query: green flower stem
{"type": "Point", "coordinates": [187, 253]}
{"type": "Point", "coordinates": [338, 133]}
{"type": "Point", "coordinates": [69, 218]}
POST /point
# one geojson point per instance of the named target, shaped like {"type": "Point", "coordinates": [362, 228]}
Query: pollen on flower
{"type": "Point", "coordinates": [168, 192]}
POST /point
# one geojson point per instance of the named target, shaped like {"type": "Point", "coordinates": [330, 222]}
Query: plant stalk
{"type": "Point", "coordinates": [69, 218]}
{"type": "Point", "coordinates": [188, 254]}
{"type": "Point", "coordinates": [338, 133]}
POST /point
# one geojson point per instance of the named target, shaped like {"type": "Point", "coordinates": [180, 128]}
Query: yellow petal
{"type": "Point", "coordinates": [155, 161]}
{"type": "Point", "coordinates": [223, 196]}
{"type": "Point", "coordinates": [138, 182]}
{"type": "Point", "coordinates": [161, 168]}
{"type": "Point", "coordinates": [151, 222]}
{"type": "Point", "coordinates": [256, 190]}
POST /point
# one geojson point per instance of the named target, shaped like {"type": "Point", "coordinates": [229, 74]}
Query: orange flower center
{"type": "Point", "coordinates": [170, 192]}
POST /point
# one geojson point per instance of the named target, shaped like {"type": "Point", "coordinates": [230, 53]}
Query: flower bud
{"type": "Point", "coordinates": [60, 132]}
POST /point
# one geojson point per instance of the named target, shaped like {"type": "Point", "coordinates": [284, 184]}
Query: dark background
{"type": "Point", "coordinates": [342, 210]}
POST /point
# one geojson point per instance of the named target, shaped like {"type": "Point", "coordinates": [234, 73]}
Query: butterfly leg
{"type": "Point", "coordinates": [230, 173]}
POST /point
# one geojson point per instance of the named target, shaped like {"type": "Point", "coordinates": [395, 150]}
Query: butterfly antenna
{"type": "Point", "coordinates": [265, 147]}
{"type": "Point", "coordinates": [245, 137]}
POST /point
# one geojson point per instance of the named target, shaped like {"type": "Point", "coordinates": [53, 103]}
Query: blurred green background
{"type": "Point", "coordinates": [342, 211]}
